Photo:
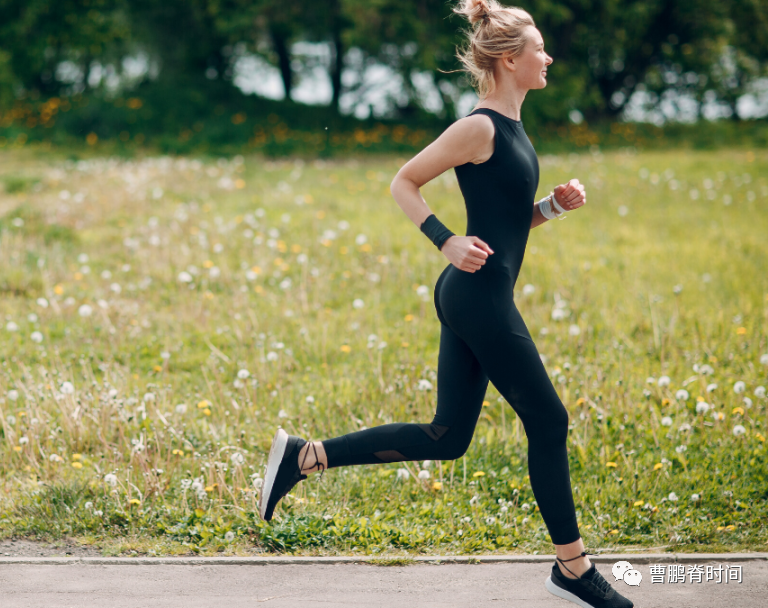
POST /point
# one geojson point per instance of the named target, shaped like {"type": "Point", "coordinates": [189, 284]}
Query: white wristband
{"type": "Point", "coordinates": [546, 209]}
{"type": "Point", "coordinates": [554, 202]}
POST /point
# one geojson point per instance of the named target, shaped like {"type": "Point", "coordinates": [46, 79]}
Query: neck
{"type": "Point", "coordinates": [506, 99]}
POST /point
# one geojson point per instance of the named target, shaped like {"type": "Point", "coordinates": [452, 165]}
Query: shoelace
{"type": "Point", "coordinates": [317, 460]}
{"type": "Point", "coordinates": [598, 581]}
{"type": "Point", "coordinates": [583, 553]}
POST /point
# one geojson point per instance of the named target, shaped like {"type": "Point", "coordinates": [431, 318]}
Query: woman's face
{"type": "Point", "coordinates": [530, 68]}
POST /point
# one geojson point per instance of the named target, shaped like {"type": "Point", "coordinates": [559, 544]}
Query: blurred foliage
{"type": "Point", "coordinates": [71, 71]}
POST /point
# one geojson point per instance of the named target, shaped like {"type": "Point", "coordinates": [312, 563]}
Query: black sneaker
{"type": "Point", "coordinates": [283, 471]}
{"type": "Point", "coordinates": [591, 590]}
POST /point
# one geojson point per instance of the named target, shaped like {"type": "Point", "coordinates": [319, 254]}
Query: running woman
{"type": "Point", "coordinates": [482, 335]}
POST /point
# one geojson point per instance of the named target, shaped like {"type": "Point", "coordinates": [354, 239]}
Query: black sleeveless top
{"type": "Point", "coordinates": [499, 195]}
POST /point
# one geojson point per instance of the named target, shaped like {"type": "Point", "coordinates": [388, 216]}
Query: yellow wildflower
{"type": "Point", "coordinates": [478, 473]}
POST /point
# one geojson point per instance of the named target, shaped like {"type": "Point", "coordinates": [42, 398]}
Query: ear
{"type": "Point", "coordinates": [508, 63]}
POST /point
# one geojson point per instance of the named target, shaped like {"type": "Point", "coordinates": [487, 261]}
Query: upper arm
{"type": "Point", "coordinates": [469, 139]}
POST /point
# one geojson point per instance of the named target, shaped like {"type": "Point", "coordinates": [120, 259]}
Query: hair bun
{"type": "Point", "coordinates": [475, 10]}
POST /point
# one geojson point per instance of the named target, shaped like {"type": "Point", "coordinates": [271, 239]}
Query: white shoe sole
{"type": "Point", "coordinates": [276, 453]}
{"type": "Point", "coordinates": [566, 595]}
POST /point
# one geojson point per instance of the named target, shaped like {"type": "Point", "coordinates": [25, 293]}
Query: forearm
{"type": "Point", "coordinates": [408, 196]}
{"type": "Point", "coordinates": [538, 218]}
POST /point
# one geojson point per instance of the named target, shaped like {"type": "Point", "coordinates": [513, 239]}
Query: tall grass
{"type": "Point", "coordinates": [162, 316]}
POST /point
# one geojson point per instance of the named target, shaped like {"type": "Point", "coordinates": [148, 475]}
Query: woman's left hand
{"type": "Point", "coordinates": [571, 195]}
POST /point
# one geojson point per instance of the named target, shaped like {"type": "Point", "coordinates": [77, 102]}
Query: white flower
{"type": "Point", "coordinates": [229, 536]}
{"type": "Point", "coordinates": [237, 459]}
{"type": "Point", "coordinates": [672, 496]}
{"type": "Point", "coordinates": [574, 330]}
{"type": "Point", "coordinates": [310, 399]}
{"type": "Point", "coordinates": [282, 414]}
{"type": "Point", "coordinates": [760, 392]}
{"type": "Point", "coordinates": [528, 289]}
{"type": "Point", "coordinates": [165, 355]}
{"type": "Point", "coordinates": [382, 345]}
{"type": "Point", "coordinates": [32, 317]}
{"type": "Point", "coordinates": [36, 336]}
{"type": "Point", "coordinates": [695, 497]}
{"type": "Point", "coordinates": [684, 427]}
{"type": "Point", "coordinates": [85, 310]}
{"type": "Point", "coordinates": [426, 464]}
{"type": "Point", "coordinates": [214, 272]}
{"type": "Point", "coordinates": [358, 303]}
{"type": "Point", "coordinates": [285, 283]}
{"type": "Point", "coordinates": [682, 395]}
{"type": "Point", "coordinates": [243, 374]}
{"type": "Point", "coordinates": [361, 239]}
{"type": "Point", "coordinates": [702, 407]}
{"type": "Point", "coordinates": [402, 473]}
{"type": "Point", "coordinates": [525, 520]}
{"type": "Point", "coordinates": [110, 479]}
{"type": "Point", "coordinates": [257, 481]}
{"type": "Point", "coordinates": [11, 326]}
{"type": "Point", "coordinates": [56, 458]}
{"type": "Point", "coordinates": [185, 483]}
{"type": "Point", "coordinates": [67, 388]}
{"type": "Point", "coordinates": [525, 506]}
{"type": "Point", "coordinates": [98, 513]}
{"type": "Point", "coordinates": [474, 500]}
{"type": "Point", "coordinates": [681, 448]}
{"type": "Point", "coordinates": [739, 387]}
{"type": "Point", "coordinates": [271, 356]}
{"type": "Point", "coordinates": [42, 302]}
{"type": "Point", "coordinates": [747, 401]}
{"type": "Point", "coordinates": [149, 397]}
{"type": "Point", "coordinates": [705, 369]}
{"type": "Point", "coordinates": [88, 505]}
{"type": "Point", "coordinates": [13, 394]}
{"type": "Point", "coordinates": [711, 387]}
{"type": "Point", "coordinates": [664, 381]}
{"type": "Point", "coordinates": [423, 474]}
{"type": "Point", "coordinates": [650, 380]}
{"type": "Point", "coordinates": [559, 314]}
{"type": "Point", "coordinates": [115, 288]}
{"type": "Point", "coordinates": [181, 408]}
{"type": "Point", "coordinates": [739, 430]}
{"type": "Point", "coordinates": [23, 440]}
{"type": "Point", "coordinates": [764, 359]}
{"type": "Point", "coordinates": [424, 385]}
{"type": "Point", "coordinates": [184, 277]}
{"type": "Point", "coordinates": [490, 520]}
{"type": "Point", "coordinates": [666, 421]}
{"type": "Point", "coordinates": [504, 509]}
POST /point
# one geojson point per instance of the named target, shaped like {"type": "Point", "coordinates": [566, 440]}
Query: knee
{"type": "Point", "coordinates": [551, 428]}
{"type": "Point", "coordinates": [454, 446]}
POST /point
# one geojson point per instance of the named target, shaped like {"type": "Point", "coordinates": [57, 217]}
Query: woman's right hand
{"type": "Point", "coordinates": [467, 253]}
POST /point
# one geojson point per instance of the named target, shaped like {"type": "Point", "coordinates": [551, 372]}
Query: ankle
{"type": "Point", "coordinates": [308, 461]}
{"type": "Point", "coordinates": [575, 568]}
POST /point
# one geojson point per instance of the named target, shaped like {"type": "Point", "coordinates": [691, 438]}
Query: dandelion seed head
{"type": "Point", "coordinates": [682, 395]}
{"type": "Point", "coordinates": [42, 302]}
{"type": "Point", "coordinates": [574, 330]}
{"type": "Point", "coordinates": [672, 496]}
{"type": "Point", "coordinates": [760, 392]}
{"type": "Point", "coordinates": [739, 387]}
{"type": "Point", "coordinates": [13, 395]}
{"type": "Point", "coordinates": [237, 459]}
{"type": "Point", "coordinates": [243, 374]}
{"type": "Point", "coordinates": [85, 310]}
{"type": "Point", "coordinates": [664, 381]}
{"type": "Point", "coordinates": [528, 289]}
{"type": "Point", "coordinates": [402, 473]}
{"type": "Point", "coordinates": [739, 430]}
{"type": "Point", "coordinates": [67, 388]}
{"type": "Point", "coordinates": [11, 326]}
{"type": "Point", "coordinates": [110, 479]}
{"type": "Point", "coordinates": [711, 387]}
{"type": "Point", "coordinates": [181, 408]}
{"type": "Point", "coordinates": [666, 421]}
{"type": "Point", "coordinates": [423, 474]}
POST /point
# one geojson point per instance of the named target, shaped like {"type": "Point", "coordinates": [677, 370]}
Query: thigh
{"type": "Point", "coordinates": [509, 357]}
{"type": "Point", "coordinates": [461, 381]}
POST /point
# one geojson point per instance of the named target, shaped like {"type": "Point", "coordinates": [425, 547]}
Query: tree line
{"type": "Point", "coordinates": [603, 50]}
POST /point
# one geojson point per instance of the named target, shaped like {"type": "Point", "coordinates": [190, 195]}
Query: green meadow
{"type": "Point", "coordinates": [160, 317]}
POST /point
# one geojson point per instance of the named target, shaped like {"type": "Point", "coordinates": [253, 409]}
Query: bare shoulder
{"type": "Point", "coordinates": [475, 135]}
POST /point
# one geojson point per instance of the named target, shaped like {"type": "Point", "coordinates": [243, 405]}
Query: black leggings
{"type": "Point", "coordinates": [499, 349]}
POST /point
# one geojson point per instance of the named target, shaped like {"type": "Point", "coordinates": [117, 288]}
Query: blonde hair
{"type": "Point", "coordinates": [498, 30]}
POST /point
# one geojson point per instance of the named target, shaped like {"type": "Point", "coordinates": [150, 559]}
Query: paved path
{"type": "Point", "coordinates": [82, 583]}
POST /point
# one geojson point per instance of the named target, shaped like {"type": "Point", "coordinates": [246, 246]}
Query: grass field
{"type": "Point", "coordinates": [162, 316]}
